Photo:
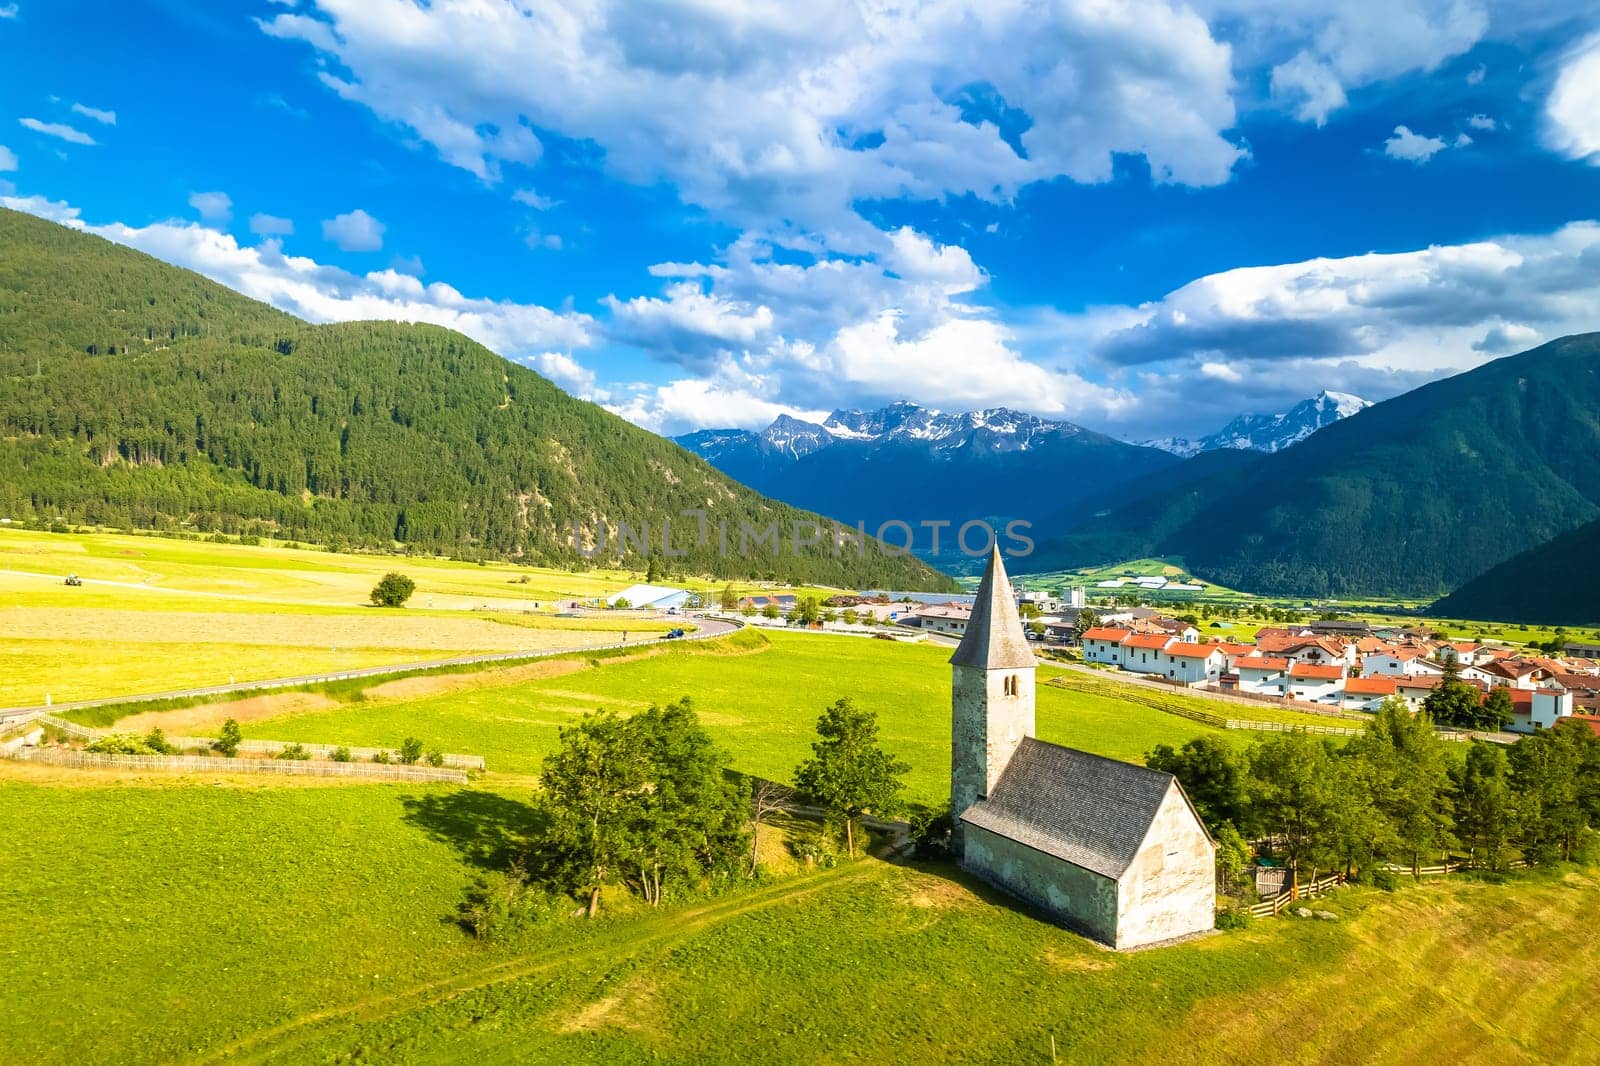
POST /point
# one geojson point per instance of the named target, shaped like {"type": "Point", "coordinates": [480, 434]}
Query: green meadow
{"type": "Point", "coordinates": [209, 919]}
{"type": "Point", "coordinates": [758, 692]}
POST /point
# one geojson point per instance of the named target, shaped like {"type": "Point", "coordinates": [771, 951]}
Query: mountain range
{"type": "Point", "coordinates": [1270, 433]}
{"type": "Point", "coordinates": [912, 464]}
{"type": "Point", "coordinates": [137, 394]}
{"type": "Point", "coordinates": [1411, 497]}
{"type": "Point", "coordinates": [1556, 583]}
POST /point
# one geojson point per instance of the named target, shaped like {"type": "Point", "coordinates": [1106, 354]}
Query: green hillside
{"type": "Point", "coordinates": [1556, 584]}
{"type": "Point", "coordinates": [136, 394]}
{"type": "Point", "coordinates": [1411, 497]}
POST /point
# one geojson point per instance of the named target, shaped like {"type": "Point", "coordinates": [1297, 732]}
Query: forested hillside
{"type": "Point", "coordinates": [1555, 584]}
{"type": "Point", "coordinates": [1411, 497]}
{"type": "Point", "coordinates": [133, 393]}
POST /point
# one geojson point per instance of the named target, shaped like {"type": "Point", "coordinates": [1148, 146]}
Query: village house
{"type": "Point", "coordinates": [1141, 652]}
{"type": "Point", "coordinates": [950, 618]}
{"type": "Point", "coordinates": [1395, 662]}
{"type": "Point", "coordinates": [1193, 664]}
{"type": "Point", "coordinates": [1538, 708]}
{"type": "Point", "coordinates": [1517, 673]}
{"type": "Point", "coordinates": [1103, 644]}
{"type": "Point", "coordinates": [1262, 675]}
{"type": "Point", "coordinates": [1316, 682]}
{"type": "Point", "coordinates": [1366, 693]}
{"type": "Point", "coordinates": [1107, 848]}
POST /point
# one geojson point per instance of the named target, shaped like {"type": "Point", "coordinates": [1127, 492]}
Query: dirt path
{"type": "Point", "coordinates": [273, 1043]}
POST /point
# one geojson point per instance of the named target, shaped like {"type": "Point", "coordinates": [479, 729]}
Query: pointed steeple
{"type": "Point", "coordinates": [994, 639]}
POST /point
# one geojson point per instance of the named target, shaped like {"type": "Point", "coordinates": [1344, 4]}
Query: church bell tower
{"type": "Point", "coordinates": [991, 691]}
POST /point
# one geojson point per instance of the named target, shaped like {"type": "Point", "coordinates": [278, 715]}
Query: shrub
{"type": "Point", "coordinates": [119, 744]}
{"type": "Point", "coordinates": [393, 590]}
{"type": "Point", "coordinates": [435, 757]}
{"type": "Point", "coordinates": [1381, 877]}
{"type": "Point", "coordinates": [227, 742]}
{"type": "Point", "coordinates": [410, 750]}
{"type": "Point", "coordinates": [1234, 916]}
{"type": "Point", "coordinates": [382, 758]}
{"type": "Point", "coordinates": [294, 752]}
{"type": "Point", "coordinates": [340, 754]}
{"type": "Point", "coordinates": [156, 741]}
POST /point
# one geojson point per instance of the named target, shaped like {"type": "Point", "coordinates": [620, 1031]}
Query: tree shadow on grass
{"type": "Point", "coordinates": [488, 829]}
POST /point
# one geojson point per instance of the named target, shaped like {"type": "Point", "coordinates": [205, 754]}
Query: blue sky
{"type": "Point", "coordinates": [1146, 217]}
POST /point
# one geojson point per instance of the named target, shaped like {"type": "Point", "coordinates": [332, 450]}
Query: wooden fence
{"type": "Point", "coordinates": [259, 747]}
{"type": "Point", "coordinates": [204, 764]}
{"type": "Point", "coordinates": [1269, 908]}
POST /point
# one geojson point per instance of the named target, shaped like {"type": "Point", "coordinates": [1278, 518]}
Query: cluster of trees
{"type": "Point", "coordinates": [643, 801]}
{"type": "Point", "coordinates": [640, 801]}
{"type": "Point", "coordinates": [1454, 702]}
{"type": "Point", "coordinates": [238, 418]}
{"type": "Point", "coordinates": [1392, 795]}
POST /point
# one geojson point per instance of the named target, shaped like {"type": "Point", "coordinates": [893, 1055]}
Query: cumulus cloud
{"type": "Point", "coordinates": [216, 207]}
{"type": "Point", "coordinates": [1413, 147]}
{"type": "Point", "coordinates": [58, 130]}
{"type": "Point", "coordinates": [1319, 52]}
{"type": "Point", "coordinates": [264, 225]}
{"type": "Point", "coordinates": [1373, 324]}
{"type": "Point", "coordinates": [1482, 122]}
{"type": "Point", "coordinates": [108, 118]}
{"type": "Point", "coordinates": [767, 112]}
{"type": "Point", "coordinates": [9, 11]}
{"type": "Point", "coordinates": [323, 293]}
{"type": "Point", "coordinates": [354, 231]}
{"type": "Point", "coordinates": [1572, 111]}
{"type": "Point", "coordinates": [564, 371]}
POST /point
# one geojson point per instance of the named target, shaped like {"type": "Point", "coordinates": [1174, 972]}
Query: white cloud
{"type": "Point", "coordinates": [323, 293]}
{"type": "Point", "coordinates": [9, 11]}
{"type": "Point", "coordinates": [531, 198]}
{"type": "Point", "coordinates": [108, 118]}
{"type": "Point", "coordinates": [1476, 75]}
{"type": "Point", "coordinates": [767, 112]}
{"type": "Point", "coordinates": [1371, 324]}
{"type": "Point", "coordinates": [564, 371]}
{"type": "Point", "coordinates": [354, 231]}
{"type": "Point", "coordinates": [58, 130]}
{"type": "Point", "coordinates": [548, 241]}
{"type": "Point", "coordinates": [1318, 52]}
{"type": "Point", "coordinates": [1572, 111]}
{"type": "Point", "coordinates": [8, 158]}
{"type": "Point", "coordinates": [1482, 122]}
{"type": "Point", "coordinates": [264, 225]}
{"type": "Point", "coordinates": [216, 207]}
{"type": "Point", "coordinates": [1412, 147]}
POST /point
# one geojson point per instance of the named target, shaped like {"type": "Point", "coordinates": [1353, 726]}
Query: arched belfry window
{"type": "Point", "coordinates": [1009, 686]}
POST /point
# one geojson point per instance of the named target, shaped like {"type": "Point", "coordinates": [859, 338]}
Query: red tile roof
{"type": "Point", "coordinates": [1316, 672]}
{"type": "Point", "coordinates": [1261, 662]}
{"type": "Point", "coordinates": [1192, 651]}
{"type": "Point", "coordinates": [1146, 640]}
{"type": "Point", "coordinates": [1370, 686]}
{"type": "Point", "coordinates": [1105, 633]}
{"type": "Point", "coordinates": [1590, 720]}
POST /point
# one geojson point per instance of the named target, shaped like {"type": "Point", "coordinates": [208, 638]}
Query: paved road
{"type": "Point", "coordinates": [708, 628]}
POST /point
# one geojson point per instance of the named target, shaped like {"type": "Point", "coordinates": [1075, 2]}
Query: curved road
{"type": "Point", "coordinates": [707, 629]}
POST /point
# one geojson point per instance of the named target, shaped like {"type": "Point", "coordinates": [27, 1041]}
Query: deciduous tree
{"type": "Point", "coordinates": [849, 774]}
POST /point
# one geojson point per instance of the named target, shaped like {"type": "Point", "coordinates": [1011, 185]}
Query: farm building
{"type": "Point", "coordinates": [656, 597]}
{"type": "Point", "coordinates": [1112, 850]}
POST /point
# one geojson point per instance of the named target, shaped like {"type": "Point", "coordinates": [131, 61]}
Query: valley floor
{"type": "Point", "coordinates": [221, 920]}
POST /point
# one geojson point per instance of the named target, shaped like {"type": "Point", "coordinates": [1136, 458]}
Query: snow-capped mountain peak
{"type": "Point", "coordinates": [1271, 432]}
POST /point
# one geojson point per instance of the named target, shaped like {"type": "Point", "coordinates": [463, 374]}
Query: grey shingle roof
{"type": "Point", "coordinates": [1091, 811]}
{"type": "Point", "coordinates": [994, 639]}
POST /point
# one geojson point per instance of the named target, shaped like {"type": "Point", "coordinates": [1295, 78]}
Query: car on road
{"type": "Point", "coordinates": [673, 634]}
{"type": "Point", "coordinates": [73, 581]}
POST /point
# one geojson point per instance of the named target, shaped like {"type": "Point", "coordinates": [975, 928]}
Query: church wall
{"type": "Point", "coordinates": [986, 727]}
{"type": "Point", "coordinates": [1082, 901]}
{"type": "Point", "coordinates": [1170, 888]}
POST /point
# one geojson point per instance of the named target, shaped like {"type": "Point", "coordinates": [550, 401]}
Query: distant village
{"type": "Point", "coordinates": [1339, 664]}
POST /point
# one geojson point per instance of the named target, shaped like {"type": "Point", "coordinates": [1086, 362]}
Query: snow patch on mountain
{"type": "Point", "coordinates": [1270, 432]}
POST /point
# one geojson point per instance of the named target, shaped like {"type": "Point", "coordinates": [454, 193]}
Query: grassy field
{"type": "Point", "coordinates": [187, 614]}
{"type": "Point", "coordinates": [759, 694]}
{"type": "Point", "coordinates": [154, 921]}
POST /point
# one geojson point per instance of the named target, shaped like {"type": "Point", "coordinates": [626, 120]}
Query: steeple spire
{"type": "Point", "coordinates": [994, 639]}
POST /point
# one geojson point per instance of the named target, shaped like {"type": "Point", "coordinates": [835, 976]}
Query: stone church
{"type": "Point", "coordinates": [1109, 849]}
